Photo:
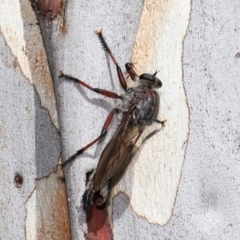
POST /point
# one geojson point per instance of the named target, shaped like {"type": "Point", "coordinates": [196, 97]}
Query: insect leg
{"type": "Point", "coordinates": [131, 71]}
{"type": "Point", "coordinates": [162, 122]}
{"type": "Point", "coordinates": [103, 92]}
{"type": "Point", "coordinates": [107, 49]}
{"type": "Point", "coordinates": [103, 133]}
{"type": "Point", "coordinates": [90, 195]}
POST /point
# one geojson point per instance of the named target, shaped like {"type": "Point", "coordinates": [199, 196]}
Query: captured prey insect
{"type": "Point", "coordinates": [139, 108]}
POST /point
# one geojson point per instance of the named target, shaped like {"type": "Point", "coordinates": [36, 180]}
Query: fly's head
{"type": "Point", "coordinates": [150, 80]}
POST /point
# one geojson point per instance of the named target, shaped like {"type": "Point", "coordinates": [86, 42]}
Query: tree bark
{"type": "Point", "coordinates": [183, 181]}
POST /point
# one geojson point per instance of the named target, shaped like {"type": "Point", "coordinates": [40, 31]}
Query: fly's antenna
{"type": "Point", "coordinates": [156, 73]}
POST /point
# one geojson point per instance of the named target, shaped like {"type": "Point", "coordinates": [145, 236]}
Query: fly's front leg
{"type": "Point", "coordinates": [130, 68]}
{"type": "Point", "coordinates": [161, 122]}
{"type": "Point", "coordinates": [107, 49]}
{"type": "Point", "coordinates": [103, 92]}
{"type": "Point", "coordinates": [103, 133]}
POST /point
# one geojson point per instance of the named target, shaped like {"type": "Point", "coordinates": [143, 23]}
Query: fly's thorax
{"type": "Point", "coordinates": [143, 102]}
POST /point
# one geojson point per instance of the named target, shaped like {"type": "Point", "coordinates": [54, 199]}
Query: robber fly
{"type": "Point", "coordinates": [139, 108]}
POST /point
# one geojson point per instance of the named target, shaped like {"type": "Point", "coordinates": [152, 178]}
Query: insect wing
{"type": "Point", "coordinates": [116, 152]}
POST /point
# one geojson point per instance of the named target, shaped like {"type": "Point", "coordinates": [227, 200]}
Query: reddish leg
{"type": "Point", "coordinates": [107, 49]}
{"type": "Point", "coordinates": [131, 71]}
{"type": "Point", "coordinates": [103, 133]}
{"type": "Point", "coordinates": [97, 90]}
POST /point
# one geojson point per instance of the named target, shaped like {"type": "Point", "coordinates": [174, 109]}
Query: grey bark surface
{"type": "Point", "coordinates": [30, 144]}
{"type": "Point", "coordinates": [207, 200]}
{"type": "Point", "coordinates": [29, 134]}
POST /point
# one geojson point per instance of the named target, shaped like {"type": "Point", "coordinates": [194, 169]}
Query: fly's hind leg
{"type": "Point", "coordinates": [90, 195]}
{"type": "Point", "coordinates": [102, 134]}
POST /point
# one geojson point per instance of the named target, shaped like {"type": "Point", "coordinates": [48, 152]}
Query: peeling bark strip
{"type": "Point", "coordinates": [156, 169]}
{"type": "Point", "coordinates": [47, 212]}
{"type": "Point", "coordinates": [22, 35]}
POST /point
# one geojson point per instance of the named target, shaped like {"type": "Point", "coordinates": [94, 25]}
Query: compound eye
{"type": "Point", "coordinates": [150, 80]}
{"type": "Point", "coordinates": [147, 77]}
{"type": "Point", "coordinates": [158, 83]}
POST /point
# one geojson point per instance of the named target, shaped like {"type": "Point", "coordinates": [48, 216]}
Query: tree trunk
{"type": "Point", "coordinates": [182, 182]}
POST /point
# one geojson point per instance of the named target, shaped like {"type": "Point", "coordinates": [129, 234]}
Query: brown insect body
{"type": "Point", "coordinates": [140, 107]}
